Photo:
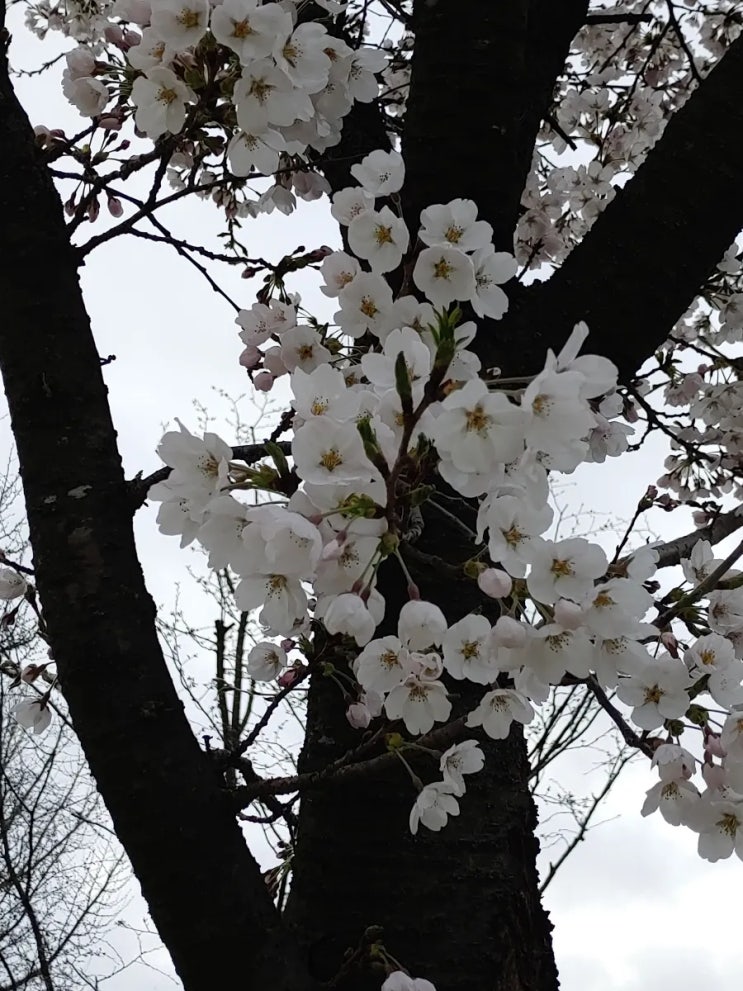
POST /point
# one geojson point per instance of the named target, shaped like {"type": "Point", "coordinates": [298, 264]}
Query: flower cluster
{"type": "Point", "coordinates": [392, 379]}
{"type": "Point", "coordinates": [267, 87]}
{"type": "Point", "coordinates": [392, 384]}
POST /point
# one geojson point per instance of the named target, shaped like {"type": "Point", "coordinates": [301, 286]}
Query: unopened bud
{"type": "Point", "coordinates": [508, 632]}
{"type": "Point", "coordinates": [263, 381]}
{"type": "Point", "coordinates": [568, 614]}
{"type": "Point", "coordinates": [495, 583]}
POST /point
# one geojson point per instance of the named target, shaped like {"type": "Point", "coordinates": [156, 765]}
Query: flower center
{"type": "Point", "coordinates": [260, 89]}
{"type": "Point", "coordinates": [653, 695]}
{"type": "Point", "coordinates": [513, 537]}
{"type": "Point", "coordinates": [471, 648]}
{"type": "Point", "coordinates": [189, 18]}
{"type": "Point", "coordinates": [541, 405]}
{"type": "Point", "coordinates": [562, 569]}
{"type": "Point", "coordinates": [383, 235]}
{"type": "Point", "coordinates": [290, 53]}
{"type": "Point", "coordinates": [368, 307]}
{"type": "Point", "coordinates": [331, 459]}
{"type": "Point", "coordinates": [241, 29]}
{"type": "Point", "coordinates": [389, 659]}
{"type": "Point", "coordinates": [453, 234]}
{"type": "Point", "coordinates": [166, 95]}
{"type": "Point", "coordinates": [442, 269]}
{"type": "Point", "coordinates": [275, 585]}
{"type": "Point", "coordinates": [477, 420]}
{"type": "Point", "coordinates": [729, 824]}
{"type": "Point", "coordinates": [602, 600]}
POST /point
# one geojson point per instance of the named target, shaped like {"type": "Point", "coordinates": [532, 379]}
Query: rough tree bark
{"type": "Point", "coordinates": [203, 888]}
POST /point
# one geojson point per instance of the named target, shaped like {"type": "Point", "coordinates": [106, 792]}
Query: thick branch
{"type": "Point", "coordinates": [204, 890]}
{"type": "Point", "coordinates": [672, 553]}
{"type": "Point", "coordinates": [648, 254]}
{"type": "Point", "coordinates": [482, 80]}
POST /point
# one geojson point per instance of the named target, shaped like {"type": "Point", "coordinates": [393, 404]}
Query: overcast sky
{"type": "Point", "coordinates": [634, 908]}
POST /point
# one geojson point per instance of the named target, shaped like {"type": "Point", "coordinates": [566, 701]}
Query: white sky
{"type": "Point", "coordinates": [634, 907]}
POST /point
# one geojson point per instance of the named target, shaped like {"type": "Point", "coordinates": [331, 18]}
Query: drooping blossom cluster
{"type": "Point", "coordinates": [248, 88]}
{"type": "Point", "coordinates": [388, 388]}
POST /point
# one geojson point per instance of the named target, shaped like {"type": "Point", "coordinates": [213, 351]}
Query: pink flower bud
{"type": "Point", "coordinates": [358, 715]}
{"type": "Point", "coordinates": [495, 583]}
{"type": "Point", "coordinates": [509, 632]}
{"type": "Point", "coordinates": [713, 746]}
{"type": "Point", "coordinates": [130, 39]}
{"type": "Point", "coordinates": [272, 361]}
{"type": "Point", "coordinates": [115, 207]}
{"type": "Point", "coordinates": [110, 122]}
{"type": "Point", "coordinates": [670, 642]}
{"type": "Point", "coordinates": [250, 356]}
{"type": "Point", "coordinates": [288, 677]}
{"type": "Point", "coordinates": [263, 381]}
{"type": "Point", "coordinates": [714, 776]}
{"type": "Point", "coordinates": [288, 645]}
{"type": "Point", "coordinates": [42, 135]}
{"type": "Point", "coordinates": [568, 614]}
{"type": "Point", "coordinates": [114, 34]}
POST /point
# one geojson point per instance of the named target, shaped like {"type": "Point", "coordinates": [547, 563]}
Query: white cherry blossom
{"type": "Point", "coordinates": [418, 703]}
{"type": "Point", "coordinates": [656, 693]}
{"type": "Point", "coordinates": [379, 237]}
{"type": "Point", "coordinates": [455, 224]}
{"type": "Point", "coordinates": [282, 601]}
{"type": "Point", "coordinates": [675, 799]}
{"type": "Point", "coordinates": [463, 758]}
{"type": "Point", "coordinates": [498, 710]}
{"type": "Point", "coordinates": [434, 804]}
{"type": "Point", "coordinates": [478, 429]}
{"type": "Point", "coordinates": [12, 585]}
{"type": "Point", "coordinates": [421, 624]}
{"type": "Point", "coordinates": [365, 303]}
{"type": "Point", "coordinates": [338, 270]}
{"type": "Point", "coordinates": [382, 665]}
{"type": "Point", "coordinates": [444, 274]}
{"type": "Point", "coordinates": [266, 661]}
{"type": "Point", "coordinates": [380, 173]}
{"type": "Point", "coordinates": [255, 151]}
{"type": "Point", "coordinates": [160, 98]}
{"type": "Point", "coordinates": [467, 650]}
{"type": "Point", "coordinates": [265, 97]}
{"type": "Point", "coordinates": [301, 55]}
{"type": "Point", "coordinates": [180, 23]}
{"type": "Point", "coordinates": [348, 614]}
{"type": "Point", "coordinates": [150, 52]}
{"type": "Point", "coordinates": [33, 714]}
{"type": "Point", "coordinates": [249, 28]}
{"type": "Point", "coordinates": [566, 569]}
{"type": "Point", "coordinates": [492, 270]}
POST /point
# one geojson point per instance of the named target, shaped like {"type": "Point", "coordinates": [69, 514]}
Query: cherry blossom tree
{"type": "Point", "coordinates": [538, 204]}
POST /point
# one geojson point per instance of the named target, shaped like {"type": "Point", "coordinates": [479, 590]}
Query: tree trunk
{"type": "Point", "coordinates": [203, 888]}
{"type": "Point", "coordinates": [460, 907]}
